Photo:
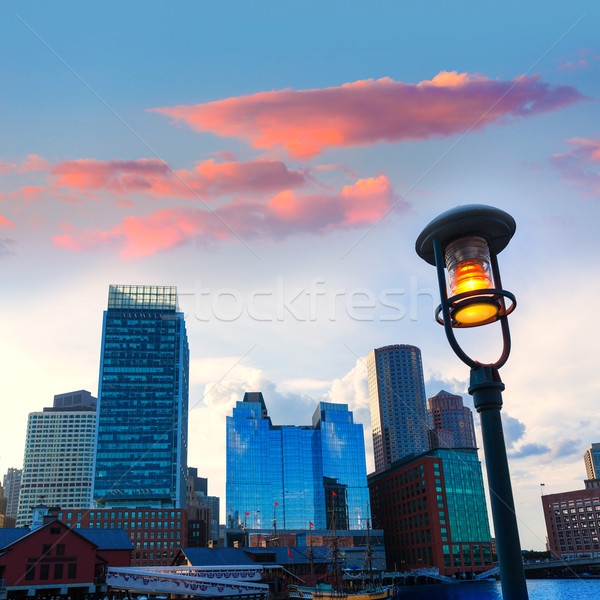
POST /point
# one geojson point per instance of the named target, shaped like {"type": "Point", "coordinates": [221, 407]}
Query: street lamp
{"type": "Point", "coordinates": [465, 241]}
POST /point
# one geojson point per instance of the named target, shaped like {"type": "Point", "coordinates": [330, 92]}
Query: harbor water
{"type": "Point", "coordinates": [539, 589]}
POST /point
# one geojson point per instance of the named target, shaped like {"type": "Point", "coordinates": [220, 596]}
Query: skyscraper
{"type": "Point", "coordinates": [447, 412]}
{"type": "Point", "coordinates": [59, 455]}
{"type": "Point", "coordinates": [141, 447]}
{"type": "Point", "coordinates": [592, 461]}
{"type": "Point", "coordinates": [12, 487]}
{"type": "Point", "coordinates": [397, 398]}
{"type": "Point", "coordinates": [295, 475]}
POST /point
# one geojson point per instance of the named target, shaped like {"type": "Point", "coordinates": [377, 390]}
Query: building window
{"type": "Point", "coordinates": [44, 571]}
{"type": "Point", "coordinates": [58, 571]}
{"type": "Point", "coordinates": [60, 549]}
{"type": "Point", "coordinates": [30, 573]}
{"type": "Point", "coordinates": [46, 548]}
{"type": "Point", "coordinates": [72, 571]}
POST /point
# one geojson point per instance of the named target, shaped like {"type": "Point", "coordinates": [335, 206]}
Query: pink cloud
{"type": "Point", "coordinates": [7, 167]}
{"type": "Point", "coordinates": [153, 177]}
{"type": "Point", "coordinates": [307, 122]}
{"type": "Point", "coordinates": [4, 222]}
{"type": "Point", "coordinates": [285, 213]}
{"type": "Point", "coordinates": [34, 163]}
{"type": "Point", "coordinates": [578, 60]}
{"type": "Point", "coordinates": [581, 164]}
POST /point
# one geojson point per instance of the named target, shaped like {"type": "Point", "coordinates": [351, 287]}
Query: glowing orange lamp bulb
{"type": "Point", "coordinates": [468, 264]}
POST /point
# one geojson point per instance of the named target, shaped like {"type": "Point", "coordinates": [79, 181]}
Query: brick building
{"type": "Point", "coordinates": [56, 559]}
{"type": "Point", "coordinates": [432, 510]}
{"type": "Point", "coordinates": [156, 534]}
{"type": "Point", "coordinates": [573, 521]}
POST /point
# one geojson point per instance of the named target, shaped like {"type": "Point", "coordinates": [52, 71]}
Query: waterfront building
{"type": "Point", "coordinates": [203, 511]}
{"type": "Point", "coordinates": [54, 559]}
{"type": "Point", "coordinates": [433, 513]}
{"type": "Point", "coordinates": [59, 455]}
{"type": "Point", "coordinates": [592, 461]}
{"type": "Point", "coordinates": [141, 452]}
{"type": "Point", "coordinates": [573, 521]}
{"type": "Point", "coordinates": [156, 534]}
{"type": "Point", "coordinates": [287, 477]}
{"type": "Point", "coordinates": [12, 486]}
{"type": "Point", "coordinates": [447, 412]}
{"type": "Point", "coordinates": [397, 399]}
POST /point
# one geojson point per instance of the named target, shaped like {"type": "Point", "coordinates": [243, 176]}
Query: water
{"type": "Point", "coordinates": [539, 589]}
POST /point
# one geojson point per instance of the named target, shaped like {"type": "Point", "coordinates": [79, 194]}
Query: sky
{"type": "Point", "coordinates": [276, 163]}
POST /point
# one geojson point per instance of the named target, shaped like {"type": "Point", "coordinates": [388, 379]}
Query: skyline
{"type": "Point", "coordinates": [163, 146]}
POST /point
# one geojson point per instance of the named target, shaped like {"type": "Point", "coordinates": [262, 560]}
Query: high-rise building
{"type": "Point", "coordinates": [59, 455]}
{"type": "Point", "coordinates": [397, 398]}
{"type": "Point", "coordinates": [447, 412]}
{"type": "Point", "coordinates": [141, 446]}
{"type": "Point", "coordinates": [295, 475]}
{"type": "Point", "coordinates": [592, 461]}
{"type": "Point", "coordinates": [12, 487]}
{"type": "Point", "coordinates": [432, 510]}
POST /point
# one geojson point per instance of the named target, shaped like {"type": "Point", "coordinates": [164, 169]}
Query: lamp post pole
{"type": "Point", "coordinates": [486, 389]}
{"type": "Point", "coordinates": [465, 241]}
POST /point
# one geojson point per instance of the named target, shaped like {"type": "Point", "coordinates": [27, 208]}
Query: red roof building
{"type": "Point", "coordinates": [56, 559]}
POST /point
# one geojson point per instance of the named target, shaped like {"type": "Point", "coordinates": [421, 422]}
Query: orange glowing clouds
{"type": "Point", "coordinates": [4, 222]}
{"type": "Point", "coordinates": [307, 122]}
{"type": "Point", "coordinates": [286, 213]}
{"type": "Point", "coordinates": [155, 178]}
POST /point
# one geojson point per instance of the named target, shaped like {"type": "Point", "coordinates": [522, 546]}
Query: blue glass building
{"type": "Point", "coordinates": [142, 424]}
{"type": "Point", "coordinates": [295, 475]}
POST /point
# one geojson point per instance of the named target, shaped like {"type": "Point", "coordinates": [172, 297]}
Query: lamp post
{"type": "Point", "coordinates": [465, 241]}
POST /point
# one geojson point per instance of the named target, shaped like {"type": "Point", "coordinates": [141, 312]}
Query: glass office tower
{"type": "Point", "coordinates": [295, 475]}
{"type": "Point", "coordinates": [141, 443]}
{"type": "Point", "coordinates": [397, 399]}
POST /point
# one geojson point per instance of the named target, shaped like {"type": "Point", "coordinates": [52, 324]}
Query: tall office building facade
{"type": "Point", "coordinates": [447, 412]}
{"type": "Point", "coordinates": [59, 455]}
{"type": "Point", "coordinates": [397, 399]}
{"type": "Point", "coordinates": [12, 486]}
{"type": "Point", "coordinates": [592, 461]}
{"type": "Point", "coordinates": [295, 475]}
{"type": "Point", "coordinates": [141, 445]}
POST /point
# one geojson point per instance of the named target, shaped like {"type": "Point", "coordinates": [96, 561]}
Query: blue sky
{"type": "Point", "coordinates": [123, 161]}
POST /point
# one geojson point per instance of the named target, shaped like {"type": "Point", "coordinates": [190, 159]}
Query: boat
{"type": "Point", "coordinates": [325, 591]}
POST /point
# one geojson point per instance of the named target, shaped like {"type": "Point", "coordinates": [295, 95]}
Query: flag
{"type": "Point", "coordinates": [246, 514]}
{"type": "Point", "coordinates": [334, 493]}
{"type": "Point", "coordinates": [276, 503]}
{"type": "Point", "coordinates": [311, 524]}
{"type": "Point", "coordinates": [290, 553]}
{"type": "Point", "coordinates": [542, 484]}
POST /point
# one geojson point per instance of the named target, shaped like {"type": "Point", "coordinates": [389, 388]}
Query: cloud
{"type": "Point", "coordinates": [6, 167]}
{"type": "Point", "coordinates": [582, 59]}
{"type": "Point", "coordinates": [527, 450]}
{"type": "Point", "coordinates": [514, 430]}
{"type": "Point", "coordinates": [284, 214]}
{"type": "Point", "coordinates": [6, 246]}
{"type": "Point", "coordinates": [33, 164]}
{"type": "Point", "coordinates": [581, 165]}
{"type": "Point", "coordinates": [565, 448]}
{"type": "Point", "coordinates": [4, 222]}
{"type": "Point", "coordinates": [306, 122]}
{"type": "Point", "coordinates": [153, 177]}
